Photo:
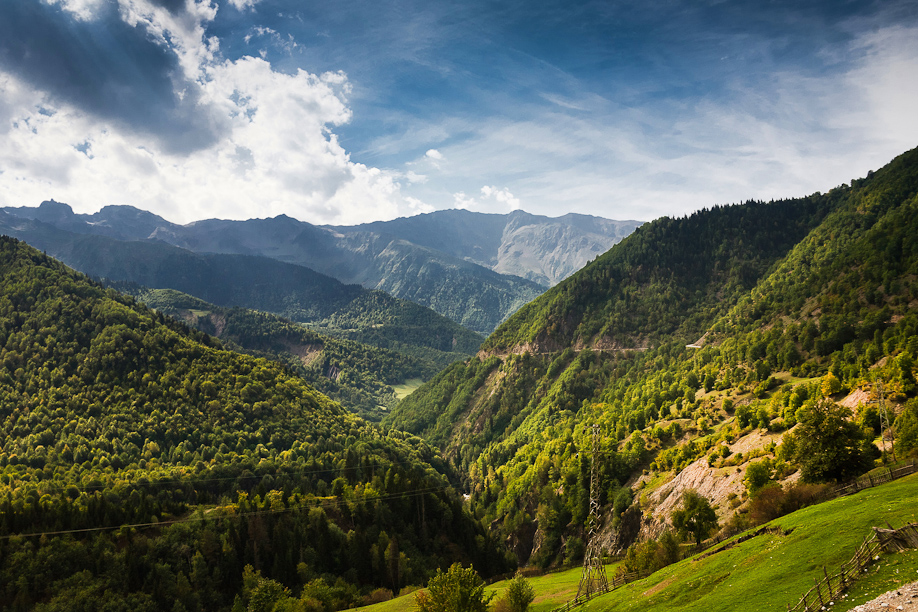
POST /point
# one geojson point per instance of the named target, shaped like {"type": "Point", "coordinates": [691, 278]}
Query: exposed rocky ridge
{"type": "Point", "coordinates": [542, 249]}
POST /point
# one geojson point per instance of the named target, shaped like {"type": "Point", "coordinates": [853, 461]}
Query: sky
{"type": "Point", "coordinates": [348, 112]}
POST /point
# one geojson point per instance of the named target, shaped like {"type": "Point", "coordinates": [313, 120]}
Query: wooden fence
{"type": "Point", "coordinates": [830, 587]}
{"type": "Point", "coordinates": [619, 580]}
{"type": "Point", "coordinates": [872, 480]}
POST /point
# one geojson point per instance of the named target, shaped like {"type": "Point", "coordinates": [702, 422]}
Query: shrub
{"type": "Point", "coordinates": [519, 595]}
{"type": "Point", "coordinates": [459, 589]}
{"type": "Point", "coordinates": [772, 501]}
{"type": "Point", "coordinates": [377, 596]}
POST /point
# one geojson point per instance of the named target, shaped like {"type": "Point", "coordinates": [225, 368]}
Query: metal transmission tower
{"type": "Point", "coordinates": [593, 579]}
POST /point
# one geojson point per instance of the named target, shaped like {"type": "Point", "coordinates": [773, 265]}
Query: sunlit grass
{"type": "Point", "coordinates": [765, 573]}
{"type": "Point", "coordinates": [769, 572]}
{"type": "Point", "coordinates": [407, 388]}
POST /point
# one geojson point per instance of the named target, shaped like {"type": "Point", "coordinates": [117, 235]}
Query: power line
{"type": "Point", "coordinates": [44, 485]}
{"type": "Point", "coordinates": [323, 503]}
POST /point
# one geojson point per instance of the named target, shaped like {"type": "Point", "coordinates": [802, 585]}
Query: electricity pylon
{"type": "Point", "coordinates": [593, 578]}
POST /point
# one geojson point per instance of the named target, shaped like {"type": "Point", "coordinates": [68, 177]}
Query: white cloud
{"type": "Point", "coordinates": [279, 153]}
{"type": "Point", "coordinates": [434, 154]}
{"type": "Point", "coordinates": [463, 202]}
{"type": "Point", "coordinates": [84, 10]}
{"type": "Point", "coordinates": [501, 195]}
{"type": "Point", "coordinates": [241, 5]}
{"type": "Point", "coordinates": [417, 207]}
{"type": "Point", "coordinates": [786, 134]}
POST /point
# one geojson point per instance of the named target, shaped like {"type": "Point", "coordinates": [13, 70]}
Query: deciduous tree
{"type": "Point", "coordinates": [459, 589]}
{"type": "Point", "coordinates": [696, 517]}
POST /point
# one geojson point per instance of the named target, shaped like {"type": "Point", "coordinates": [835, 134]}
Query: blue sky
{"type": "Point", "coordinates": [344, 112]}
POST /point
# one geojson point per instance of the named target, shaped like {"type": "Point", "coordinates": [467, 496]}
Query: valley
{"type": "Point", "coordinates": [194, 409]}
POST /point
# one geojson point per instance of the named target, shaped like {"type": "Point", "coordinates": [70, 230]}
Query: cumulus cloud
{"type": "Point", "coordinates": [501, 195]}
{"type": "Point", "coordinates": [463, 202]}
{"type": "Point", "coordinates": [489, 194]}
{"type": "Point", "coordinates": [243, 139]}
{"type": "Point", "coordinates": [434, 154]}
{"type": "Point", "coordinates": [242, 5]}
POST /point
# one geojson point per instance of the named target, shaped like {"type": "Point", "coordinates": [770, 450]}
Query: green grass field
{"type": "Point", "coordinates": [770, 571]}
{"type": "Point", "coordinates": [552, 590]}
{"type": "Point", "coordinates": [407, 388]}
{"type": "Point", "coordinates": [765, 573]}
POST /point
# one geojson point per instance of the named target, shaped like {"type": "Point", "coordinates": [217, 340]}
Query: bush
{"type": "Point", "coordinates": [772, 501]}
{"type": "Point", "coordinates": [377, 596]}
{"type": "Point", "coordinates": [459, 589]}
{"type": "Point", "coordinates": [518, 596]}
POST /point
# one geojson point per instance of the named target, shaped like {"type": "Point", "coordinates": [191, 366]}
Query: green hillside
{"type": "Point", "coordinates": [772, 297]}
{"type": "Point", "coordinates": [765, 573]}
{"type": "Point", "coordinates": [143, 464]}
{"type": "Point", "coordinates": [358, 376]}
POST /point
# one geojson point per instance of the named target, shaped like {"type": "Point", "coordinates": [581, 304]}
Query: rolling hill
{"type": "Point", "coordinates": [358, 376]}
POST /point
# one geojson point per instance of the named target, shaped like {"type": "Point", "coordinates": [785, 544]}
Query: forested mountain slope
{"type": "Point", "coordinates": [782, 303]}
{"type": "Point", "coordinates": [115, 415]}
{"type": "Point", "coordinates": [669, 279]}
{"type": "Point", "coordinates": [258, 283]}
{"type": "Point", "coordinates": [358, 376]}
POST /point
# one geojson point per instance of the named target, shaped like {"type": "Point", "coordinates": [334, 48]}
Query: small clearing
{"type": "Point", "coordinates": [407, 388]}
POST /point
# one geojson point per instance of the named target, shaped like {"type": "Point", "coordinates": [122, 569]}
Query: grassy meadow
{"type": "Point", "coordinates": [765, 573]}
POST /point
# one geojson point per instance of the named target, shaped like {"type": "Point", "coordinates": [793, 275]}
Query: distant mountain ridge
{"type": "Point", "coordinates": [542, 249]}
{"type": "Point", "coordinates": [474, 268]}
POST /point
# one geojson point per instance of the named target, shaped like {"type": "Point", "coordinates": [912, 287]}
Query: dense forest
{"type": "Point", "coordinates": [358, 376]}
{"type": "Point", "coordinates": [690, 333]}
{"type": "Point", "coordinates": [141, 461]}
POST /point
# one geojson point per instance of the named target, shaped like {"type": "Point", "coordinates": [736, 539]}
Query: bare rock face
{"type": "Point", "coordinates": [629, 529]}
{"type": "Point", "coordinates": [715, 484]}
{"type": "Point", "coordinates": [523, 542]}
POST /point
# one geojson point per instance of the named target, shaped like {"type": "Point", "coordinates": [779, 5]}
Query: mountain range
{"type": "Point", "coordinates": [474, 268]}
{"type": "Point", "coordinates": [256, 282]}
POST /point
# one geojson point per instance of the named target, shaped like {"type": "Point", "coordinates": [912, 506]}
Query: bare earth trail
{"type": "Point", "coordinates": [903, 598]}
